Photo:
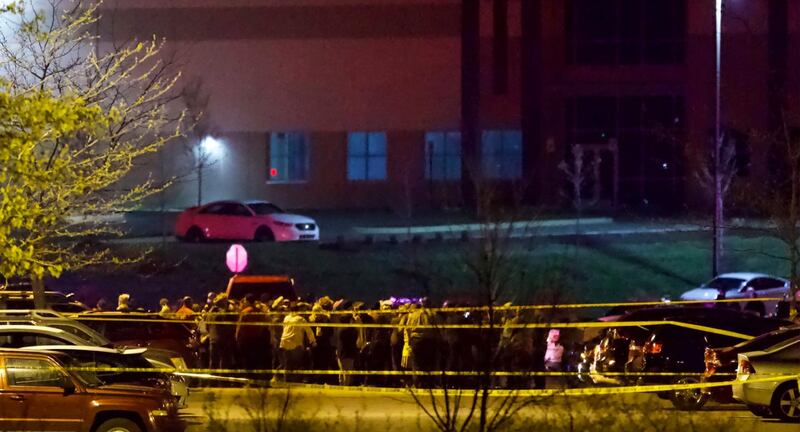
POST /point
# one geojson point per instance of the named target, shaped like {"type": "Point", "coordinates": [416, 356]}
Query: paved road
{"type": "Point", "coordinates": [348, 410]}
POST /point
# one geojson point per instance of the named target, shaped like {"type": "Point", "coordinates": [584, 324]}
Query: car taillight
{"type": "Point", "coordinates": [653, 347]}
{"type": "Point", "coordinates": [745, 367]}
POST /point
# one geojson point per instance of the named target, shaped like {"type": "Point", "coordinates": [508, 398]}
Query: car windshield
{"type": "Point", "coordinates": [76, 367]}
{"type": "Point", "coordinates": [768, 340]}
{"type": "Point", "coordinates": [83, 332]}
{"type": "Point", "coordinates": [265, 208]}
{"type": "Point", "coordinates": [725, 283]}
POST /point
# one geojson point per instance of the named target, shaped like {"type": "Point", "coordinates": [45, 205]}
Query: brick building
{"type": "Point", "coordinates": [357, 103]}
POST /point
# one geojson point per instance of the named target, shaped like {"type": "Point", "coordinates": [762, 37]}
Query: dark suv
{"type": "Point", "coordinates": [40, 393]}
{"type": "Point", "coordinates": [680, 350]}
{"type": "Point", "coordinates": [621, 349]}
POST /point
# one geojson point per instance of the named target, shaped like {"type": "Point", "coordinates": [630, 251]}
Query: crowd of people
{"type": "Point", "coordinates": [393, 336]}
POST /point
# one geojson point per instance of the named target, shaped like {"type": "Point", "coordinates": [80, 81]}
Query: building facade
{"type": "Point", "coordinates": [358, 103]}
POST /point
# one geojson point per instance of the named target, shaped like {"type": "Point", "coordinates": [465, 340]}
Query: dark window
{"type": "Point", "coordinates": [443, 155]}
{"type": "Point", "coordinates": [649, 133]}
{"type": "Point", "coordinates": [213, 209]}
{"type": "Point", "coordinates": [725, 283]}
{"type": "Point", "coordinates": [33, 373]}
{"type": "Point", "coordinates": [233, 209]}
{"type": "Point", "coordinates": [626, 32]}
{"type": "Point", "coordinates": [39, 340]}
{"type": "Point", "coordinates": [265, 208]}
{"type": "Point", "coordinates": [761, 284]}
{"type": "Point", "coordinates": [501, 154]}
{"type": "Point", "coordinates": [288, 157]}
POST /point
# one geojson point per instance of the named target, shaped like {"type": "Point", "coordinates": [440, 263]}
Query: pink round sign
{"type": "Point", "coordinates": [236, 258]}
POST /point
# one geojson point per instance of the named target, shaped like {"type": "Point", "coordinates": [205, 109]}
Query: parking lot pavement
{"type": "Point", "coordinates": [342, 409]}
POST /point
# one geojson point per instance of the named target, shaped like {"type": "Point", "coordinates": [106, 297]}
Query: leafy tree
{"type": "Point", "coordinates": [81, 118]}
{"type": "Point", "coordinates": [39, 182]}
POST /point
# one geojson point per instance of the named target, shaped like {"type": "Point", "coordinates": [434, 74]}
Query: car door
{"type": "Point", "coordinates": [33, 397]}
{"type": "Point", "coordinates": [211, 220]}
{"type": "Point", "coordinates": [239, 222]}
{"type": "Point", "coordinates": [771, 287]}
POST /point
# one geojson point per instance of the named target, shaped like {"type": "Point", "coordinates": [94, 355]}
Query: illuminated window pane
{"type": "Point", "coordinates": [366, 156]}
{"type": "Point", "coordinates": [288, 157]}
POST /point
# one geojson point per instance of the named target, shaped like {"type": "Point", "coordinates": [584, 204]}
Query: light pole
{"type": "Point", "coordinates": [718, 198]}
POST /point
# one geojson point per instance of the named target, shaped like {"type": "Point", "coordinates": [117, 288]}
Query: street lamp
{"type": "Point", "coordinates": [718, 198]}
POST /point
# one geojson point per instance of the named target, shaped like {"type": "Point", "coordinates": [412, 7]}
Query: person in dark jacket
{"type": "Point", "coordinates": [323, 355]}
{"type": "Point", "coordinates": [252, 340]}
{"type": "Point", "coordinates": [346, 348]}
{"type": "Point", "coordinates": [221, 337]}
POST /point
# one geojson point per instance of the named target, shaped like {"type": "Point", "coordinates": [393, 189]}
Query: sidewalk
{"type": "Point", "coordinates": [589, 227]}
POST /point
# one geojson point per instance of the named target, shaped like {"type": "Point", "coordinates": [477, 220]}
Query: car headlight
{"type": "Point", "coordinates": [159, 413]}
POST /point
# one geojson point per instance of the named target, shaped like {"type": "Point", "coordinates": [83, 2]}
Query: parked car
{"type": "Point", "coordinates": [53, 319]}
{"type": "Point", "coordinates": [39, 392]}
{"type": "Point", "coordinates": [25, 335]}
{"type": "Point", "coordinates": [110, 358]}
{"type": "Point", "coordinates": [147, 330]}
{"type": "Point", "coordinates": [780, 397]}
{"type": "Point", "coordinates": [675, 349]}
{"type": "Point", "coordinates": [743, 286]}
{"type": "Point", "coordinates": [20, 335]}
{"type": "Point", "coordinates": [721, 363]}
{"type": "Point", "coordinates": [620, 348]}
{"type": "Point", "coordinates": [262, 287]}
{"type": "Point", "coordinates": [249, 220]}
{"type": "Point", "coordinates": [54, 300]}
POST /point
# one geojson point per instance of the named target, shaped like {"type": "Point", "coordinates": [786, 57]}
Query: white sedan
{"type": "Point", "coordinates": [249, 220]}
{"type": "Point", "coordinates": [742, 286]}
{"type": "Point", "coordinates": [777, 397]}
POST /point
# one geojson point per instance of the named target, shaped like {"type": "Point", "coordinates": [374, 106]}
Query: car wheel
{"type": "Point", "coordinates": [264, 234]}
{"type": "Point", "coordinates": [118, 425]}
{"type": "Point", "coordinates": [786, 402]}
{"type": "Point", "coordinates": [194, 235]}
{"type": "Point", "coordinates": [760, 411]}
{"type": "Point", "coordinates": [690, 399]}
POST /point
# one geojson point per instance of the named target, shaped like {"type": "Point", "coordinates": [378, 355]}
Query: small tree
{"type": "Point", "coordinates": [726, 171]}
{"type": "Point", "coordinates": [577, 174]}
{"type": "Point", "coordinates": [197, 129]}
{"type": "Point", "coordinates": [493, 266]}
{"type": "Point", "coordinates": [778, 198]}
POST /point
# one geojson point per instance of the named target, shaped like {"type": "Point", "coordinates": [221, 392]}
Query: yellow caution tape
{"type": "Point", "coordinates": [365, 372]}
{"type": "Point", "coordinates": [499, 327]}
{"type": "Point", "coordinates": [594, 391]}
{"type": "Point", "coordinates": [474, 308]}
{"type": "Point", "coordinates": [616, 390]}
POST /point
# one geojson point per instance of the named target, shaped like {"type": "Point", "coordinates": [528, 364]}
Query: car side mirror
{"type": "Point", "coordinates": [68, 386]}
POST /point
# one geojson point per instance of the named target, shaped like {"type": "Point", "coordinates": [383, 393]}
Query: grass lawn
{"type": "Point", "coordinates": [599, 269]}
